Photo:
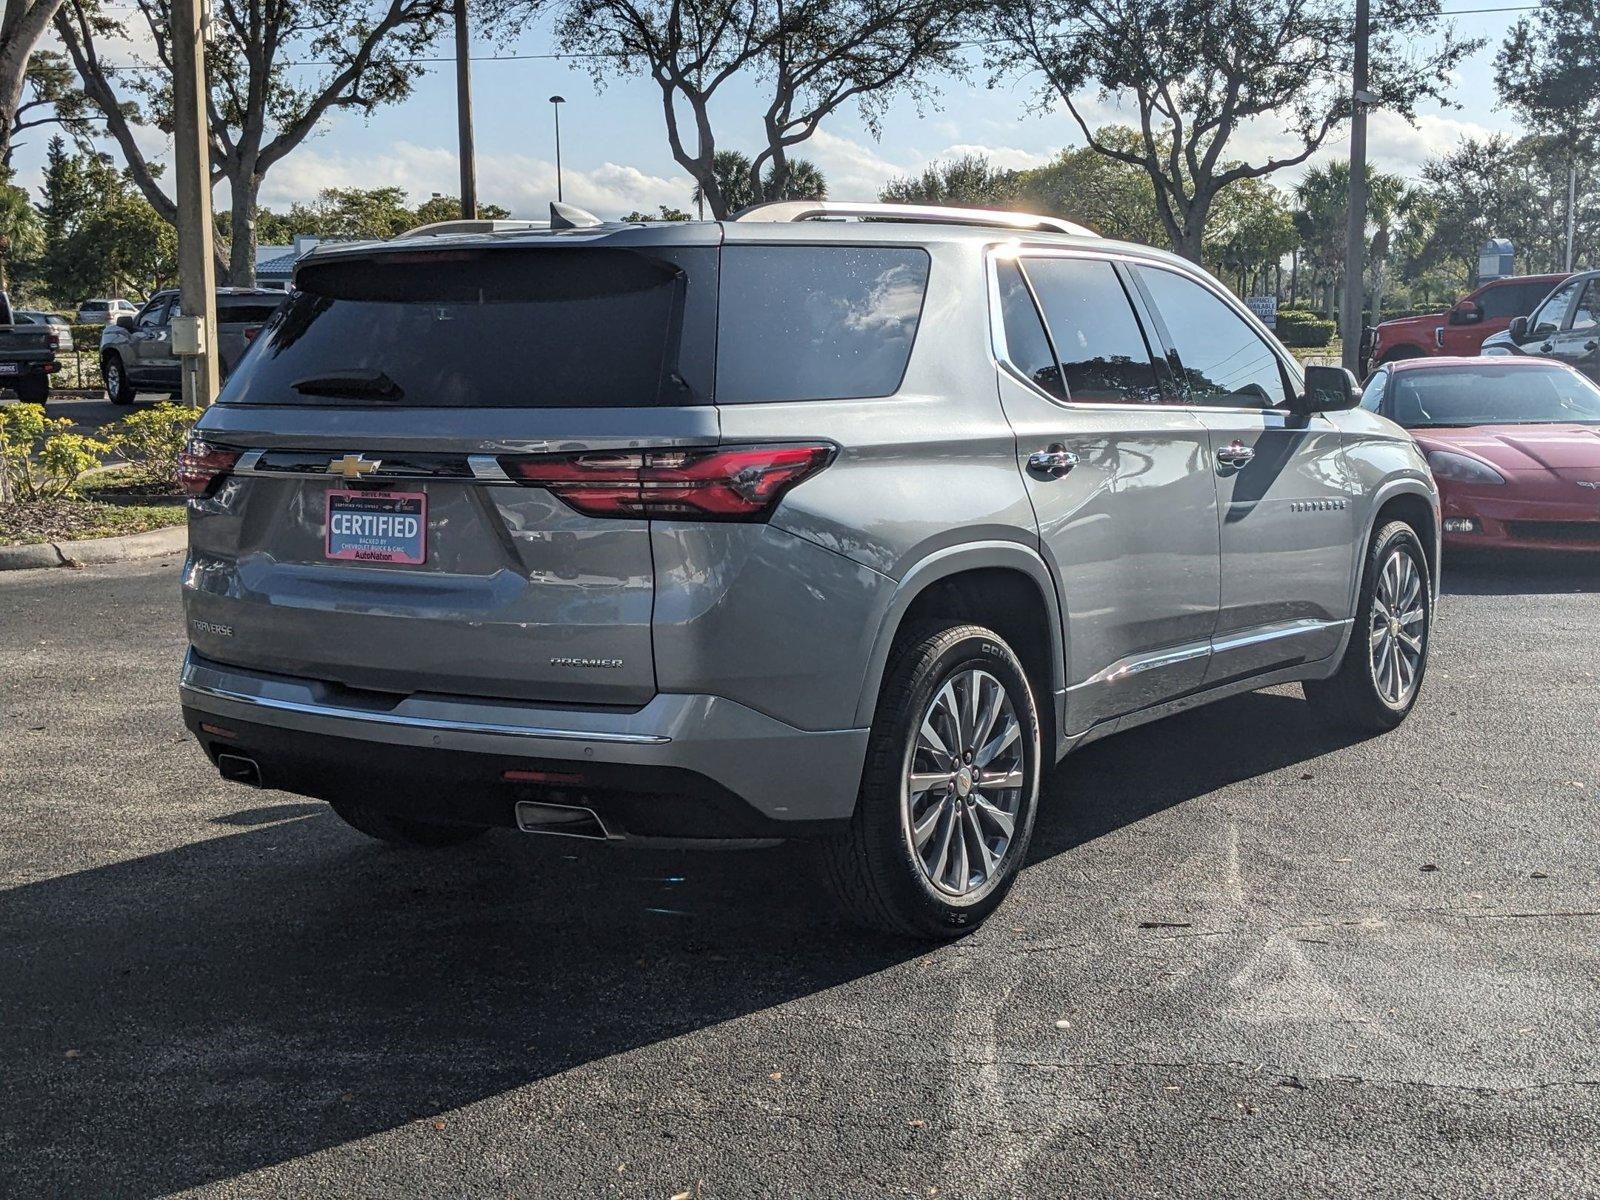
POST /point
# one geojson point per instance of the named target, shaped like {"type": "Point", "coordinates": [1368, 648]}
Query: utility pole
{"type": "Point", "coordinates": [555, 103]}
{"type": "Point", "coordinates": [194, 334]}
{"type": "Point", "coordinates": [1572, 200]}
{"type": "Point", "coordinates": [469, 161]}
{"type": "Point", "coordinates": [1356, 230]}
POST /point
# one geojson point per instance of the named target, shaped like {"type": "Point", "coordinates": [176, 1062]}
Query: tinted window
{"type": "Point", "coordinates": [1512, 300]}
{"type": "Point", "coordinates": [1372, 394]}
{"type": "Point", "coordinates": [1027, 347]}
{"type": "Point", "coordinates": [1494, 394]}
{"type": "Point", "coordinates": [1224, 362]}
{"type": "Point", "coordinates": [95, 306]}
{"type": "Point", "coordinates": [1587, 314]}
{"type": "Point", "coordinates": [245, 314]}
{"type": "Point", "coordinates": [1554, 310]}
{"type": "Point", "coordinates": [505, 327]}
{"type": "Point", "coordinates": [1103, 355]}
{"type": "Point", "coordinates": [816, 322]}
{"type": "Point", "coordinates": [155, 313]}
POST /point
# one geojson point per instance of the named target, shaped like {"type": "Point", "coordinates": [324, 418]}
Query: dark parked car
{"type": "Point", "coordinates": [136, 352]}
{"type": "Point", "coordinates": [1564, 328]}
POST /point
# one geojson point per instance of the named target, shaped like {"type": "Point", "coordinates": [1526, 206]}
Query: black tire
{"type": "Point", "coordinates": [34, 390]}
{"type": "Point", "coordinates": [873, 868]}
{"type": "Point", "coordinates": [402, 830]}
{"type": "Point", "coordinates": [1353, 696]}
{"type": "Point", "coordinates": [119, 389]}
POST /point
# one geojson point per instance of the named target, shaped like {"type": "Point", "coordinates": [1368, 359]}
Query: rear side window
{"type": "Point", "coordinates": [1027, 347]}
{"type": "Point", "coordinates": [501, 327]}
{"type": "Point", "coordinates": [816, 322]}
{"type": "Point", "coordinates": [1512, 300]}
{"type": "Point", "coordinates": [1222, 362]}
{"type": "Point", "coordinates": [1103, 354]}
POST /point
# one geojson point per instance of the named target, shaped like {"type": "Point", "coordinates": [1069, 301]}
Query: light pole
{"type": "Point", "coordinates": [1356, 228]}
{"type": "Point", "coordinates": [555, 104]}
{"type": "Point", "coordinates": [469, 161]}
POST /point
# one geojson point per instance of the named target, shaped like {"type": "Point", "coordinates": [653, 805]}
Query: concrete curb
{"type": "Point", "coordinates": [150, 544]}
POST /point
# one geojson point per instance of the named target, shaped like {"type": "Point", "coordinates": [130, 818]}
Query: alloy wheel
{"type": "Point", "coordinates": [964, 782]}
{"type": "Point", "coordinates": [1399, 629]}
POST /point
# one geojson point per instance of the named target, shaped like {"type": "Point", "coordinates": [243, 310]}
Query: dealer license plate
{"type": "Point", "coordinates": [382, 527]}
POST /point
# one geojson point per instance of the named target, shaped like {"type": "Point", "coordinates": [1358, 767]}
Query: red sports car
{"type": "Point", "coordinates": [1513, 442]}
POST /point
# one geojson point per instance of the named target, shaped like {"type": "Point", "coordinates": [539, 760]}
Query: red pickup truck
{"type": "Point", "coordinates": [1461, 330]}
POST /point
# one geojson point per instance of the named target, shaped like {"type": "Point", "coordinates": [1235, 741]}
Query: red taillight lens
{"type": "Point", "coordinates": [250, 333]}
{"type": "Point", "coordinates": [201, 464]}
{"type": "Point", "coordinates": [740, 484]}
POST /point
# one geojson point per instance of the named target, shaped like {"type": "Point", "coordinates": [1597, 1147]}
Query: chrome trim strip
{"type": "Point", "coordinates": [487, 467]}
{"type": "Point", "coordinates": [1176, 655]}
{"type": "Point", "coordinates": [347, 714]}
{"type": "Point", "coordinates": [1272, 633]}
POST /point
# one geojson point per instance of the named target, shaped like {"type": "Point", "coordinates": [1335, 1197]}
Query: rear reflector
{"type": "Point", "coordinates": [218, 731]}
{"type": "Point", "coordinates": [742, 483]}
{"type": "Point", "coordinates": [541, 777]}
{"type": "Point", "coordinates": [201, 464]}
{"type": "Point", "coordinates": [250, 332]}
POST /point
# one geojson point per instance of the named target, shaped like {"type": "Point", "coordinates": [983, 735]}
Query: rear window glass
{"type": "Point", "coordinates": [501, 327]}
{"type": "Point", "coordinates": [245, 314]}
{"type": "Point", "coordinates": [816, 322]}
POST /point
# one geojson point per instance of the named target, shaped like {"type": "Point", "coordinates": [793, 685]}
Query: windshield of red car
{"type": "Point", "coordinates": [1489, 394]}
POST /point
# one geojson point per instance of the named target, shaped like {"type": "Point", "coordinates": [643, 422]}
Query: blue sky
{"type": "Point", "coordinates": [615, 155]}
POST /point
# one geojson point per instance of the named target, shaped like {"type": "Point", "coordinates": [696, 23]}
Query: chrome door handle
{"type": "Point", "coordinates": [1235, 454]}
{"type": "Point", "coordinates": [1054, 462]}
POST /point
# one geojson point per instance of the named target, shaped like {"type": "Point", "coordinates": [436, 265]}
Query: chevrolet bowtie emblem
{"type": "Point", "coordinates": [354, 466]}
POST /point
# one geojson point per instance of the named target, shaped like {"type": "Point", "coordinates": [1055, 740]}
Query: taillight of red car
{"type": "Point", "coordinates": [201, 465]}
{"type": "Point", "coordinates": [737, 483]}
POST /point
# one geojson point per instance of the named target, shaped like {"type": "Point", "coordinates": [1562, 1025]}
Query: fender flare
{"type": "Point", "coordinates": [942, 564]}
{"type": "Point", "coordinates": [1405, 485]}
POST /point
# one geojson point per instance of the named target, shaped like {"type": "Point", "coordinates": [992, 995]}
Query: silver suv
{"type": "Point", "coordinates": [842, 528]}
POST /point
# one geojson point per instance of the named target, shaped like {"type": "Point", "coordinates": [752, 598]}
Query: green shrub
{"type": "Point", "coordinates": [40, 457]}
{"type": "Point", "coordinates": [151, 440]}
{"type": "Point", "coordinates": [86, 338]}
{"type": "Point", "coordinates": [1298, 328]}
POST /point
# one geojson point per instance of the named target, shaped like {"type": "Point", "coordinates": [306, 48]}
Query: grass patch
{"type": "Point", "coordinates": [70, 520]}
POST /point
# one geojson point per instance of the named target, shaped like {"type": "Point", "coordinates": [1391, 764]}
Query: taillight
{"type": "Point", "coordinates": [739, 484]}
{"type": "Point", "coordinates": [250, 332]}
{"type": "Point", "coordinates": [201, 464]}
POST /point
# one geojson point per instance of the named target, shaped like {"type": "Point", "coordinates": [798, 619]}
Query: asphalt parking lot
{"type": "Point", "coordinates": [1250, 957]}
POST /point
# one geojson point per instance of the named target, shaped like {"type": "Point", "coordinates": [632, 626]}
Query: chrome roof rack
{"type": "Point", "coordinates": [931, 214]}
{"type": "Point", "coordinates": [467, 225]}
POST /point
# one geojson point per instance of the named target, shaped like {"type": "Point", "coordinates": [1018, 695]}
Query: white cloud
{"type": "Point", "coordinates": [523, 184]}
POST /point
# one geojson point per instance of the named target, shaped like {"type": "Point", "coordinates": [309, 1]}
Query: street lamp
{"type": "Point", "coordinates": [555, 104]}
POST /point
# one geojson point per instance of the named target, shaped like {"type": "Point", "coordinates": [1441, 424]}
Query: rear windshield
{"type": "Point", "coordinates": [816, 322]}
{"type": "Point", "coordinates": [245, 314]}
{"type": "Point", "coordinates": [498, 327]}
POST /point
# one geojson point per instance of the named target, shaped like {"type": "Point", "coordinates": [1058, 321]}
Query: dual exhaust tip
{"type": "Point", "coordinates": [561, 820]}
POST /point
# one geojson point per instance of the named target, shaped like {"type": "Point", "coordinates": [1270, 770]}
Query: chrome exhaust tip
{"type": "Point", "coordinates": [239, 769]}
{"type": "Point", "coordinates": [562, 820]}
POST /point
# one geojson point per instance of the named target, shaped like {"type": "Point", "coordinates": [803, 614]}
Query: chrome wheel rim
{"type": "Point", "coordinates": [964, 783]}
{"type": "Point", "coordinates": [113, 377]}
{"type": "Point", "coordinates": [1398, 634]}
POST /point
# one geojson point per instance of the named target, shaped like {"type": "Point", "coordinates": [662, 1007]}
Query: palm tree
{"type": "Point", "coordinates": [731, 169]}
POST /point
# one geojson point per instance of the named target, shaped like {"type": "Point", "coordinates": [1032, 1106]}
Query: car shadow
{"type": "Point", "coordinates": [286, 986]}
{"type": "Point", "coordinates": [1523, 573]}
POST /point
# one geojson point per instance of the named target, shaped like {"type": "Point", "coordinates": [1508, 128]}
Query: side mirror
{"type": "Point", "coordinates": [1466, 313]}
{"type": "Point", "coordinates": [1329, 389]}
{"type": "Point", "coordinates": [125, 321]}
{"type": "Point", "coordinates": [1519, 329]}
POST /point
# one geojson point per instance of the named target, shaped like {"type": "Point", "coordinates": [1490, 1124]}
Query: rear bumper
{"type": "Point", "coordinates": [680, 766]}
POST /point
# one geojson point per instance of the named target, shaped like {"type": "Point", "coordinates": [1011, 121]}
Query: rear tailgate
{"type": "Point", "coordinates": [368, 534]}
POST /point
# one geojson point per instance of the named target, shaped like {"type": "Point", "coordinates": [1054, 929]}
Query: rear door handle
{"type": "Point", "coordinates": [1235, 454]}
{"type": "Point", "coordinates": [1053, 462]}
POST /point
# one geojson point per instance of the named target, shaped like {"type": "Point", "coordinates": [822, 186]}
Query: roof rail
{"type": "Point", "coordinates": [466, 225]}
{"type": "Point", "coordinates": [932, 214]}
